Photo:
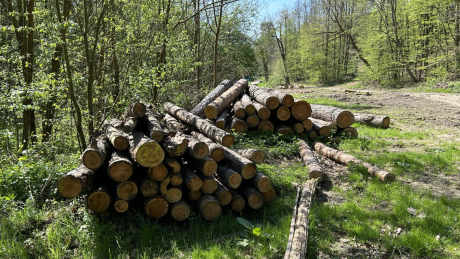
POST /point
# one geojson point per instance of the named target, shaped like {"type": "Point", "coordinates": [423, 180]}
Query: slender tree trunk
{"type": "Point", "coordinates": [216, 41]}
{"type": "Point", "coordinates": [197, 42]}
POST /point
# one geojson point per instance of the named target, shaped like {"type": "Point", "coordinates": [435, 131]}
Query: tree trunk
{"type": "Point", "coordinates": [301, 110]}
{"type": "Point", "coordinates": [191, 180]}
{"type": "Point", "coordinates": [145, 151]}
{"type": "Point", "coordinates": [180, 210]}
{"type": "Point", "coordinates": [379, 121]}
{"type": "Point", "coordinates": [267, 126]}
{"type": "Point", "coordinates": [262, 111]}
{"type": "Point", "coordinates": [253, 197]}
{"type": "Point", "coordinates": [209, 207]}
{"type": "Point", "coordinates": [214, 94]}
{"type": "Point", "coordinates": [158, 173]}
{"type": "Point", "coordinates": [321, 127]}
{"type": "Point", "coordinates": [214, 108]}
{"type": "Point", "coordinates": [255, 155]}
{"type": "Point", "coordinates": [206, 166]}
{"type": "Point", "coordinates": [264, 97]}
{"type": "Point", "coordinates": [155, 130]}
{"type": "Point", "coordinates": [204, 127]}
{"type": "Point", "coordinates": [149, 188]}
{"type": "Point", "coordinates": [242, 165]}
{"type": "Point", "coordinates": [284, 98]}
{"type": "Point", "coordinates": [156, 207]}
{"type": "Point", "coordinates": [247, 104]}
{"type": "Point", "coordinates": [341, 117]}
{"type": "Point", "coordinates": [75, 182]}
{"type": "Point", "coordinates": [261, 182]}
{"type": "Point", "coordinates": [127, 190]}
{"type": "Point", "coordinates": [120, 167]}
{"type": "Point", "coordinates": [222, 119]}
{"type": "Point", "coordinates": [229, 177]}
{"type": "Point", "coordinates": [252, 120]}
{"type": "Point", "coordinates": [95, 154]}
{"type": "Point", "coordinates": [215, 151]}
{"type": "Point", "coordinates": [346, 159]}
{"type": "Point", "coordinates": [315, 170]}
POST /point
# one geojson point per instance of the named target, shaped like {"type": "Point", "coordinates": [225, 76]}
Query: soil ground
{"type": "Point", "coordinates": [409, 111]}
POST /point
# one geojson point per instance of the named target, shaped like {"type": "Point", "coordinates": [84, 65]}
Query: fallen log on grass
{"type": "Point", "coordinates": [315, 170]}
{"type": "Point", "coordinates": [379, 121]}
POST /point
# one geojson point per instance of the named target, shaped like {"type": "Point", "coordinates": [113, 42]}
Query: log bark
{"type": "Point", "coordinates": [120, 167]}
{"type": "Point", "coordinates": [214, 94]}
{"type": "Point", "coordinates": [247, 104]}
{"type": "Point", "coordinates": [252, 196]}
{"type": "Point", "coordinates": [346, 159]}
{"type": "Point", "coordinates": [321, 127]}
{"type": "Point", "coordinates": [284, 98]}
{"type": "Point", "coordinates": [261, 182]}
{"type": "Point", "coordinates": [262, 111]}
{"type": "Point", "coordinates": [158, 173]}
{"type": "Point", "coordinates": [127, 190]}
{"type": "Point", "coordinates": [129, 124]}
{"type": "Point", "coordinates": [75, 182]}
{"type": "Point", "coordinates": [301, 110]}
{"type": "Point", "coordinates": [174, 194]}
{"type": "Point", "coordinates": [99, 199]}
{"type": "Point", "coordinates": [209, 207]}
{"type": "Point", "coordinates": [222, 119]}
{"type": "Point", "coordinates": [120, 205]}
{"type": "Point", "coordinates": [175, 146]}
{"type": "Point", "coordinates": [379, 121]}
{"type": "Point", "coordinates": [144, 150]}
{"type": "Point", "coordinates": [176, 179]}
{"type": "Point", "coordinates": [96, 153]}
{"type": "Point", "coordinates": [242, 165]}
{"type": "Point", "coordinates": [264, 97]}
{"type": "Point", "coordinates": [155, 130]}
{"type": "Point", "coordinates": [298, 247]}
{"type": "Point", "coordinates": [238, 203]}
{"type": "Point", "coordinates": [209, 185]}
{"type": "Point", "coordinates": [315, 170]}
{"type": "Point", "coordinates": [212, 122]}
{"type": "Point", "coordinates": [206, 166]}
{"type": "Point", "coordinates": [173, 124]}
{"type": "Point", "coordinates": [196, 148]}
{"type": "Point", "coordinates": [118, 124]}
{"type": "Point", "coordinates": [252, 121]}
{"type": "Point", "coordinates": [229, 177]}
{"type": "Point", "coordinates": [238, 125]}
{"type": "Point", "coordinates": [307, 124]}
{"type": "Point", "coordinates": [173, 164]}
{"type": "Point", "coordinates": [238, 109]}
{"type": "Point", "coordinates": [156, 207]}
{"type": "Point", "coordinates": [180, 211]}
{"type": "Point", "coordinates": [215, 151]}
{"type": "Point", "coordinates": [118, 140]}
{"type": "Point", "coordinates": [228, 127]}
{"type": "Point", "coordinates": [137, 110]}
{"type": "Point", "coordinates": [270, 195]}
{"type": "Point", "coordinates": [207, 129]}
{"type": "Point", "coordinates": [349, 132]}
{"type": "Point", "coordinates": [223, 101]}
{"type": "Point", "coordinates": [191, 180]}
{"type": "Point", "coordinates": [298, 127]}
{"type": "Point", "coordinates": [341, 117]}
{"type": "Point", "coordinates": [164, 185]}
{"type": "Point", "coordinates": [149, 188]}
{"type": "Point", "coordinates": [255, 155]}
{"type": "Point", "coordinates": [266, 126]}
{"type": "Point", "coordinates": [222, 194]}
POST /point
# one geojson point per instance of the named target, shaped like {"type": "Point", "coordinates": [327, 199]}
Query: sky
{"type": "Point", "coordinates": [274, 6]}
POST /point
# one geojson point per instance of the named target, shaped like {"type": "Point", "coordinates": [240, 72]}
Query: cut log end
{"type": "Point", "coordinates": [272, 102]}
{"type": "Point", "coordinates": [228, 140]}
{"type": "Point", "coordinates": [307, 124]}
{"type": "Point", "coordinates": [386, 123]}
{"type": "Point", "coordinates": [240, 113]}
{"type": "Point", "coordinates": [156, 207]}
{"type": "Point", "coordinates": [99, 201]}
{"type": "Point", "coordinates": [238, 204]}
{"type": "Point", "coordinates": [209, 167]}
{"type": "Point", "coordinates": [298, 127]}
{"type": "Point", "coordinates": [350, 132]}
{"type": "Point", "coordinates": [121, 206]}
{"type": "Point", "coordinates": [283, 113]}
{"type": "Point", "coordinates": [149, 188]}
{"type": "Point", "coordinates": [127, 190]}
{"type": "Point", "coordinates": [158, 136]}
{"type": "Point", "coordinates": [209, 207]}
{"type": "Point", "coordinates": [234, 180]}
{"type": "Point", "coordinates": [120, 171]}
{"type": "Point", "coordinates": [194, 195]}
{"type": "Point", "coordinates": [158, 173]}
{"type": "Point", "coordinates": [69, 186]}
{"type": "Point", "coordinates": [248, 171]}
{"type": "Point", "coordinates": [250, 109]}
{"type": "Point", "coordinates": [217, 154]}
{"type": "Point", "coordinates": [315, 174]}
{"type": "Point", "coordinates": [200, 150]}
{"type": "Point", "coordinates": [258, 157]}
{"type": "Point", "coordinates": [252, 121]}
{"type": "Point", "coordinates": [266, 126]}
{"type": "Point", "coordinates": [269, 195]}
{"type": "Point", "coordinates": [150, 154]}
{"type": "Point", "coordinates": [256, 200]}
{"type": "Point", "coordinates": [288, 100]}
{"type": "Point", "coordinates": [121, 143]}
{"type": "Point", "coordinates": [211, 112]}
{"type": "Point", "coordinates": [180, 211]}
{"type": "Point", "coordinates": [173, 195]}
{"type": "Point", "coordinates": [239, 126]}
{"type": "Point", "coordinates": [92, 159]}
{"type": "Point", "coordinates": [345, 119]}
{"type": "Point", "coordinates": [209, 186]}
{"type": "Point", "coordinates": [301, 110]}
{"type": "Point", "coordinates": [139, 110]}
{"type": "Point", "coordinates": [264, 113]}
{"type": "Point", "coordinates": [264, 185]}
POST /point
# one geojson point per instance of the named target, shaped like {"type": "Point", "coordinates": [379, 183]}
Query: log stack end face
{"type": "Point", "coordinates": [99, 201]}
{"type": "Point", "coordinates": [139, 110]}
{"type": "Point", "coordinates": [69, 187]}
{"type": "Point", "coordinates": [92, 159]}
{"type": "Point", "coordinates": [150, 154]}
{"type": "Point", "coordinates": [345, 119]}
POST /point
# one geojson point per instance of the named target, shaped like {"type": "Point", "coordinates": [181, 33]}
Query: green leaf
{"type": "Point", "coordinates": [257, 231]}
{"type": "Point", "coordinates": [245, 223]}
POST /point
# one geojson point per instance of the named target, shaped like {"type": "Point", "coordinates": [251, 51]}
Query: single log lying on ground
{"type": "Point", "coordinates": [149, 188]}
{"type": "Point", "coordinates": [346, 159]}
{"type": "Point", "coordinates": [262, 111]}
{"type": "Point", "coordinates": [118, 140]}
{"type": "Point", "coordinates": [191, 180]}
{"type": "Point", "coordinates": [315, 170]}
{"type": "Point", "coordinates": [120, 167]}
{"type": "Point", "coordinates": [321, 127]}
{"type": "Point", "coordinates": [155, 130]}
{"type": "Point", "coordinates": [221, 103]}
{"type": "Point", "coordinates": [349, 132]}
{"type": "Point", "coordinates": [253, 197]}
{"type": "Point", "coordinates": [238, 109]}
{"type": "Point", "coordinates": [180, 210]}
{"type": "Point", "coordinates": [269, 195]}
{"type": "Point", "coordinates": [301, 110]}
{"type": "Point", "coordinates": [240, 164]}
{"type": "Point", "coordinates": [156, 207]}
{"type": "Point", "coordinates": [206, 166]}
{"type": "Point", "coordinates": [96, 153]}
{"type": "Point", "coordinates": [120, 205]}
{"type": "Point", "coordinates": [229, 177]}
{"type": "Point", "coordinates": [129, 124]}
{"type": "Point", "coordinates": [379, 121]}
{"type": "Point", "coordinates": [298, 236]}
{"type": "Point", "coordinates": [196, 148]}
{"type": "Point", "coordinates": [298, 127]}
{"type": "Point", "coordinates": [209, 207]}
{"type": "Point", "coordinates": [238, 203]}
{"type": "Point", "coordinates": [127, 190]}
{"type": "Point", "coordinates": [239, 125]}
{"type": "Point", "coordinates": [158, 173]}
{"type": "Point", "coordinates": [173, 164]}
{"type": "Point", "coordinates": [307, 124]}
{"type": "Point", "coordinates": [219, 90]}
{"type": "Point", "coordinates": [144, 150]}
{"type": "Point", "coordinates": [267, 126]}
{"type": "Point", "coordinates": [247, 104]}
{"type": "Point", "coordinates": [222, 194]}
{"type": "Point", "coordinates": [341, 117]}
{"type": "Point", "coordinates": [264, 97]}
{"type": "Point", "coordinates": [222, 119]}
{"type": "Point", "coordinates": [261, 182]}
{"type": "Point", "coordinates": [255, 155]}
{"type": "Point", "coordinates": [207, 129]}
{"type": "Point", "coordinates": [252, 120]}
{"type": "Point", "coordinates": [175, 146]}
{"type": "Point", "coordinates": [75, 182]}
{"type": "Point", "coordinates": [283, 113]}
{"type": "Point", "coordinates": [284, 98]}
{"type": "Point", "coordinates": [99, 199]}
{"type": "Point", "coordinates": [215, 151]}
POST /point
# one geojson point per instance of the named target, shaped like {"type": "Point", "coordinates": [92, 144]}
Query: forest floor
{"type": "Point", "coordinates": [433, 119]}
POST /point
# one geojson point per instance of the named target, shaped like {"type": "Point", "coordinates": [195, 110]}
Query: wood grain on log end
{"type": "Point", "coordinates": [176, 179]}
{"type": "Point", "coordinates": [301, 110]}
{"type": "Point", "coordinates": [211, 112]}
{"type": "Point", "coordinates": [238, 204]}
{"type": "Point", "coordinates": [174, 194]}
{"type": "Point", "coordinates": [158, 173]}
{"type": "Point", "coordinates": [209, 167]}
{"type": "Point", "coordinates": [99, 200]}
{"type": "Point", "coordinates": [69, 187]}
{"type": "Point", "coordinates": [256, 200]}
{"type": "Point", "coordinates": [217, 154]}
{"type": "Point", "coordinates": [248, 171]}
{"type": "Point", "coordinates": [258, 157]}
{"type": "Point", "coordinates": [121, 206]}
{"type": "Point", "coordinates": [350, 132]}
{"type": "Point", "coordinates": [194, 195]}
{"type": "Point", "coordinates": [209, 207]}
{"type": "Point", "coordinates": [267, 126]}
{"type": "Point", "coordinates": [239, 125]}
{"type": "Point", "coordinates": [180, 211]}
{"type": "Point", "coordinates": [139, 110]}
{"type": "Point", "coordinates": [283, 113]}
{"type": "Point", "coordinates": [127, 190]}
{"type": "Point", "coordinates": [121, 143]}
{"type": "Point", "coordinates": [200, 150]}
{"type": "Point", "coordinates": [156, 207]}
{"type": "Point", "coordinates": [149, 188]}
{"type": "Point", "coordinates": [298, 127]}
{"type": "Point", "coordinates": [386, 123]}
{"type": "Point", "coordinates": [272, 102]}
{"type": "Point", "coordinates": [209, 185]}
{"type": "Point", "coordinates": [227, 140]}
{"type": "Point", "coordinates": [92, 159]}
{"type": "Point", "coordinates": [252, 121]}
{"type": "Point", "coordinates": [120, 171]}
{"type": "Point", "coordinates": [307, 124]}
{"type": "Point", "coordinates": [288, 100]}
{"type": "Point", "coordinates": [149, 154]}
{"type": "Point", "coordinates": [345, 119]}
{"type": "Point", "coordinates": [173, 164]}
